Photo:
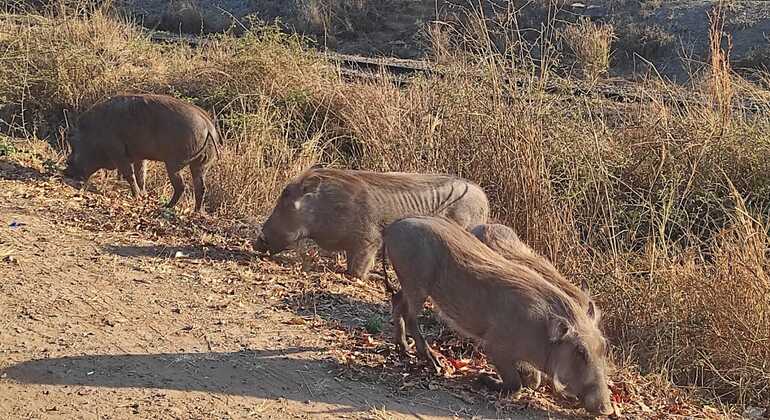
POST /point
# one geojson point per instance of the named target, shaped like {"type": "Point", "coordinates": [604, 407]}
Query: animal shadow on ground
{"type": "Point", "coordinates": [268, 374]}
{"type": "Point", "coordinates": [12, 171]}
{"type": "Point", "coordinates": [383, 361]}
{"type": "Point", "coordinates": [209, 252]}
{"type": "Point", "coordinates": [337, 308]}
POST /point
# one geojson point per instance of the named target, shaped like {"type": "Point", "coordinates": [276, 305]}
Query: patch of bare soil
{"type": "Point", "coordinates": [111, 308]}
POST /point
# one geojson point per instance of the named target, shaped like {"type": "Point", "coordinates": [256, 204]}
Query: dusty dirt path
{"type": "Point", "coordinates": [109, 309]}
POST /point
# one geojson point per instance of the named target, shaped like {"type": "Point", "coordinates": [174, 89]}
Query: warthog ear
{"type": "Point", "coordinates": [310, 184]}
{"type": "Point", "coordinates": [582, 352]}
{"type": "Point", "coordinates": [584, 286]}
{"type": "Point", "coordinates": [558, 328]}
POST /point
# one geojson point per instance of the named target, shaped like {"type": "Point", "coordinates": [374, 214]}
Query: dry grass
{"type": "Point", "coordinates": [720, 77]}
{"type": "Point", "coordinates": [646, 40]}
{"type": "Point", "coordinates": [329, 18]}
{"type": "Point", "coordinates": [590, 43]}
{"type": "Point", "coordinates": [661, 207]}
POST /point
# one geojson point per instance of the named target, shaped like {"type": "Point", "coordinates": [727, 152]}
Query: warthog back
{"type": "Point", "coordinates": [506, 242]}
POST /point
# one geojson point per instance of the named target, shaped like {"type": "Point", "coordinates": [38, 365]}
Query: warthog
{"type": "Point", "coordinates": [516, 314]}
{"type": "Point", "coordinates": [124, 131]}
{"type": "Point", "coordinates": [506, 242]}
{"type": "Point", "coordinates": [346, 210]}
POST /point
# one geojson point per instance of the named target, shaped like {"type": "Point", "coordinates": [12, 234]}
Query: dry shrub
{"type": "Point", "coordinates": [590, 43]}
{"type": "Point", "coordinates": [701, 316]}
{"type": "Point", "coordinates": [258, 163]}
{"type": "Point", "coordinates": [316, 16]}
{"type": "Point", "coordinates": [647, 40]}
{"type": "Point", "coordinates": [332, 17]}
{"type": "Point", "coordinates": [50, 65]}
{"type": "Point", "coordinates": [459, 126]}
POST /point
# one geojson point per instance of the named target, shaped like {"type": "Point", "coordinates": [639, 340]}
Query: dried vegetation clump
{"type": "Point", "coordinates": [661, 205]}
{"type": "Point", "coordinates": [590, 43]}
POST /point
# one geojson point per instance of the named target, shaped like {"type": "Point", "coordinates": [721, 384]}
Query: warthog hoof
{"type": "Point", "coordinates": [433, 362]}
{"type": "Point", "coordinates": [259, 245]}
{"type": "Point", "coordinates": [530, 377]}
{"type": "Point", "coordinates": [403, 347]}
{"type": "Point", "coordinates": [498, 385]}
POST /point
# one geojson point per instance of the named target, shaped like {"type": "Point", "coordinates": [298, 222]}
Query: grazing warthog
{"type": "Point", "coordinates": [124, 131]}
{"type": "Point", "coordinates": [516, 314]}
{"type": "Point", "coordinates": [346, 210]}
{"type": "Point", "coordinates": [506, 242]}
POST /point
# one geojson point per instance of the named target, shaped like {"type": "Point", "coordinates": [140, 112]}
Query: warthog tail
{"type": "Point", "coordinates": [210, 137]}
{"type": "Point", "coordinates": [385, 278]}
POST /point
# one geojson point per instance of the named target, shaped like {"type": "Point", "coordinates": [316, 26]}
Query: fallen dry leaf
{"type": "Point", "coordinates": [459, 364]}
{"type": "Point", "coordinates": [295, 321]}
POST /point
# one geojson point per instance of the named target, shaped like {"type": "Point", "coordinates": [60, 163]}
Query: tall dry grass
{"type": "Point", "coordinates": [661, 206]}
{"type": "Point", "coordinates": [329, 18]}
{"type": "Point", "coordinates": [720, 78]}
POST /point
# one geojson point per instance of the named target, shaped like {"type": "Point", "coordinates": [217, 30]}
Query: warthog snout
{"type": "Point", "coordinates": [75, 174]}
{"type": "Point", "coordinates": [597, 401]}
{"type": "Point", "coordinates": [278, 235]}
{"type": "Point", "coordinates": [578, 358]}
{"type": "Point", "coordinates": [68, 171]}
{"type": "Point", "coordinates": [288, 222]}
{"type": "Point", "coordinates": [71, 168]}
{"type": "Point", "coordinates": [259, 244]}
{"type": "Point", "coordinates": [275, 243]}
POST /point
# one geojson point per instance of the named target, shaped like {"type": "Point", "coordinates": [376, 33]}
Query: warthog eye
{"type": "Point", "coordinates": [582, 352]}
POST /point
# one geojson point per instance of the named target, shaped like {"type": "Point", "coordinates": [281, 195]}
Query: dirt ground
{"type": "Point", "coordinates": [111, 308]}
{"type": "Point", "coordinates": [107, 313]}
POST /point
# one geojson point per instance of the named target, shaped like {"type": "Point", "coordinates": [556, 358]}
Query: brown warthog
{"type": "Point", "coordinates": [124, 131]}
{"type": "Point", "coordinates": [346, 210]}
{"type": "Point", "coordinates": [516, 314]}
{"type": "Point", "coordinates": [506, 242]}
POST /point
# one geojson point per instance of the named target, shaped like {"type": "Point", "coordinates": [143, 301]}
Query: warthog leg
{"type": "Point", "coordinates": [530, 377]}
{"type": "Point", "coordinates": [127, 170]}
{"type": "Point", "coordinates": [409, 303]}
{"type": "Point", "coordinates": [507, 369]}
{"type": "Point", "coordinates": [361, 260]}
{"type": "Point", "coordinates": [198, 172]}
{"type": "Point", "coordinates": [176, 181]}
{"type": "Point", "coordinates": [399, 329]}
{"type": "Point", "coordinates": [140, 171]}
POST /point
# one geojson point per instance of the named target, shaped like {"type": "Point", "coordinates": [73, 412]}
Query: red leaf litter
{"type": "Point", "coordinates": [632, 395]}
{"type": "Point", "coordinates": [619, 393]}
{"type": "Point", "coordinates": [459, 364]}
